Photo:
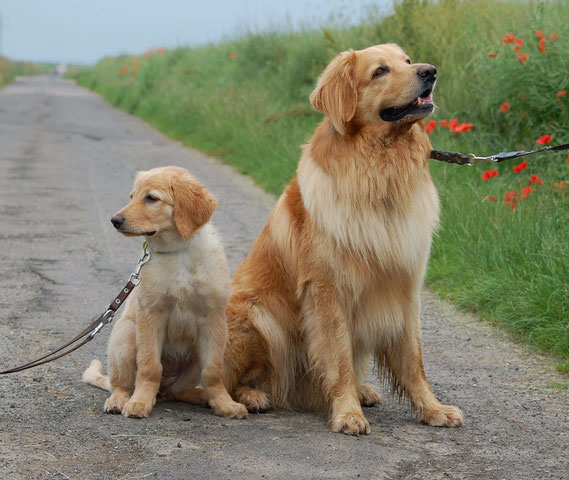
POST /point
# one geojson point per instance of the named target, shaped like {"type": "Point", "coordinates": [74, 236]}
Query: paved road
{"type": "Point", "coordinates": [66, 165]}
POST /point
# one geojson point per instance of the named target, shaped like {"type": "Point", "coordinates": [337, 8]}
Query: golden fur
{"type": "Point", "coordinates": [335, 277]}
{"type": "Point", "coordinates": [172, 333]}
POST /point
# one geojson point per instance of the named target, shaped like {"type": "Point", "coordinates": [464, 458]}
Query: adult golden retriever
{"type": "Point", "coordinates": [336, 274]}
{"type": "Point", "coordinates": [172, 333]}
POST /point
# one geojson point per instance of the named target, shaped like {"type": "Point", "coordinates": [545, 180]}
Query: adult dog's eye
{"type": "Point", "coordinates": [408, 61]}
{"type": "Point", "coordinates": [150, 198]}
{"type": "Point", "coordinates": [380, 71]}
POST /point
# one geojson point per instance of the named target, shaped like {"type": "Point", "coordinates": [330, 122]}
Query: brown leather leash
{"type": "Point", "coordinates": [95, 326]}
{"type": "Point", "coordinates": [471, 159]}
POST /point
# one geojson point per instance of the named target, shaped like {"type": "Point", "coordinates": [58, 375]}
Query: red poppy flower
{"type": "Point", "coordinates": [560, 185]}
{"type": "Point", "coordinates": [232, 56]}
{"type": "Point", "coordinates": [443, 123]}
{"type": "Point", "coordinates": [542, 49]}
{"type": "Point", "coordinates": [535, 180]}
{"type": "Point", "coordinates": [462, 127]}
{"type": "Point", "coordinates": [526, 191]}
{"type": "Point", "coordinates": [511, 38]}
{"type": "Point", "coordinates": [538, 33]}
{"type": "Point", "coordinates": [520, 167]}
{"type": "Point", "coordinates": [488, 174]}
{"type": "Point", "coordinates": [504, 107]}
{"type": "Point", "coordinates": [560, 94]}
{"type": "Point", "coordinates": [542, 42]}
{"type": "Point", "coordinates": [522, 57]}
{"type": "Point", "coordinates": [493, 55]}
{"type": "Point", "coordinates": [490, 198]}
{"type": "Point", "coordinates": [431, 126]}
{"type": "Point", "coordinates": [452, 124]}
{"type": "Point", "coordinates": [504, 40]}
{"type": "Point", "coordinates": [544, 139]}
{"type": "Point", "coordinates": [519, 41]}
{"type": "Point", "coordinates": [510, 198]}
{"type": "Point", "coordinates": [554, 36]}
{"type": "Point", "coordinates": [517, 47]}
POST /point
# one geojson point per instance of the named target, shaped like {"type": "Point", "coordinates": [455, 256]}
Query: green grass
{"type": "Point", "coordinates": [10, 70]}
{"type": "Point", "coordinates": [246, 101]}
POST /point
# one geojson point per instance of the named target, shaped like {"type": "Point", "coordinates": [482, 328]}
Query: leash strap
{"type": "Point", "coordinates": [471, 159]}
{"type": "Point", "coordinates": [95, 326]}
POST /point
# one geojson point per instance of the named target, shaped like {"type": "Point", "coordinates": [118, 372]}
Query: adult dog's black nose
{"type": "Point", "coordinates": [427, 73]}
{"type": "Point", "coordinates": [117, 221]}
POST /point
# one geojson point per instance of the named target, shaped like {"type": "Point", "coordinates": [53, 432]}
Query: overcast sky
{"type": "Point", "coordinates": [83, 31]}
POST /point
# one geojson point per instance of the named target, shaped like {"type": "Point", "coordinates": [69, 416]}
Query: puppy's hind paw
{"type": "Point", "coordinates": [254, 400]}
{"type": "Point", "coordinates": [230, 410]}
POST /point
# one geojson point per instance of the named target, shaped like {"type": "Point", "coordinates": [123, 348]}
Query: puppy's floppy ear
{"type": "Point", "coordinates": [336, 92]}
{"type": "Point", "coordinates": [193, 204]}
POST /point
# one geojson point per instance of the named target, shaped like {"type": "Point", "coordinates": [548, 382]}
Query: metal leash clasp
{"type": "Point", "coordinates": [475, 159]}
{"type": "Point", "coordinates": [107, 318]}
{"type": "Point", "coordinates": [135, 277]}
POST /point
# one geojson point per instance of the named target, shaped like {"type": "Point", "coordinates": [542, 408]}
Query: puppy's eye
{"type": "Point", "coordinates": [150, 198]}
{"type": "Point", "coordinates": [408, 61]}
{"type": "Point", "coordinates": [380, 71]}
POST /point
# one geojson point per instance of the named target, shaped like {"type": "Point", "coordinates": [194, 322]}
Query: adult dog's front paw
{"type": "Point", "coordinates": [442, 416]}
{"type": "Point", "coordinates": [350, 423]}
{"type": "Point", "coordinates": [136, 409]}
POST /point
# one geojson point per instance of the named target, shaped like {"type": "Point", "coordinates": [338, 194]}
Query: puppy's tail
{"type": "Point", "coordinates": [93, 376]}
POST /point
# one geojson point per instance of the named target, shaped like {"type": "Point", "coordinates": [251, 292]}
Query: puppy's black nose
{"type": "Point", "coordinates": [427, 73]}
{"type": "Point", "coordinates": [117, 221]}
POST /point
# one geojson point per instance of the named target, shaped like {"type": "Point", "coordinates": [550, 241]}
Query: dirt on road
{"type": "Point", "coordinates": [67, 160]}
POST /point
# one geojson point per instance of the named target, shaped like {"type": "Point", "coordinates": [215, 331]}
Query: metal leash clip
{"type": "Point", "coordinates": [474, 159]}
{"type": "Point", "coordinates": [107, 318]}
{"type": "Point", "coordinates": [135, 277]}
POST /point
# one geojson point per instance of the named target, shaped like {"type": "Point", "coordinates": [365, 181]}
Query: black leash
{"type": "Point", "coordinates": [95, 326]}
{"type": "Point", "coordinates": [471, 159]}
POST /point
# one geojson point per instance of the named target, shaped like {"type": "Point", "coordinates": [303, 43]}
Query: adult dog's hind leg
{"type": "Point", "coordinates": [404, 360]}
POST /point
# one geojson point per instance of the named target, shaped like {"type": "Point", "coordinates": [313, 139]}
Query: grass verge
{"type": "Point", "coordinates": [245, 101]}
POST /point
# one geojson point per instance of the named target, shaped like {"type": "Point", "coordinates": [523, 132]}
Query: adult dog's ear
{"type": "Point", "coordinates": [336, 92]}
{"type": "Point", "coordinates": [193, 204]}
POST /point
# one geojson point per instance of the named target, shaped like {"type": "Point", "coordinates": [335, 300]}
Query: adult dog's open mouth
{"type": "Point", "coordinates": [420, 107]}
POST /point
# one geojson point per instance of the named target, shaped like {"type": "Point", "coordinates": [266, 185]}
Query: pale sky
{"type": "Point", "coordinates": [83, 31]}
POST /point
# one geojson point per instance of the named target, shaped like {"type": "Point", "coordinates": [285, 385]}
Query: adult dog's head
{"type": "Point", "coordinates": [373, 86]}
{"type": "Point", "coordinates": [165, 201]}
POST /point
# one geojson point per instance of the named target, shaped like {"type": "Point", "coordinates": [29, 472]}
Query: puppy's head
{"type": "Point", "coordinates": [377, 85]}
{"type": "Point", "coordinates": [165, 200]}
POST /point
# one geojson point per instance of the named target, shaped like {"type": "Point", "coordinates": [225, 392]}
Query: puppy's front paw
{"type": "Point", "coordinates": [115, 403]}
{"type": "Point", "coordinates": [135, 409]}
{"type": "Point", "coordinates": [442, 416]}
{"type": "Point", "coordinates": [350, 423]}
{"type": "Point", "coordinates": [368, 396]}
{"type": "Point", "coordinates": [230, 410]}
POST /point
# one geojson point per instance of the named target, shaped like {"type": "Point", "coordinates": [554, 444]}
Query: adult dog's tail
{"type": "Point", "coordinates": [93, 376]}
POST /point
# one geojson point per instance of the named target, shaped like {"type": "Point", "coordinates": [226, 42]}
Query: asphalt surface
{"type": "Point", "coordinates": [67, 161]}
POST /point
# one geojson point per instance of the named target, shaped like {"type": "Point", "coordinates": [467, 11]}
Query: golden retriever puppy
{"type": "Point", "coordinates": [335, 276]}
{"type": "Point", "coordinates": [172, 333]}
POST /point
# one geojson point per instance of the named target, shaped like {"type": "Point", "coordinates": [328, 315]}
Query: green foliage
{"type": "Point", "coordinates": [10, 70]}
{"type": "Point", "coordinates": [246, 102]}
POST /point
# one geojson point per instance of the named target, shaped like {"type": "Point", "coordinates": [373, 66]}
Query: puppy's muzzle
{"type": "Point", "coordinates": [118, 221]}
